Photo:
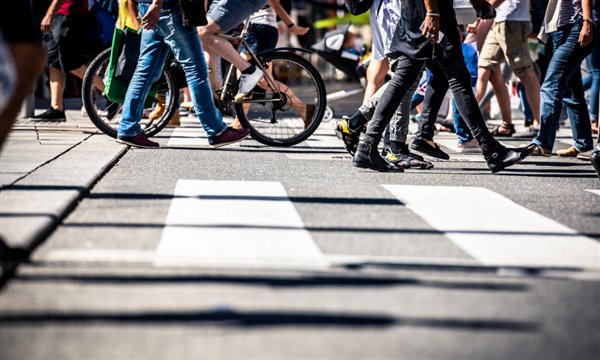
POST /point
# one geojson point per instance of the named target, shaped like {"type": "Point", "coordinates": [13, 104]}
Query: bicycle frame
{"type": "Point", "coordinates": [224, 97]}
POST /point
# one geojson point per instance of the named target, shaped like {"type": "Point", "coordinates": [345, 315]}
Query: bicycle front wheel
{"type": "Point", "coordinates": [289, 109]}
{"type": "Point", "coordinates": [106, 114]}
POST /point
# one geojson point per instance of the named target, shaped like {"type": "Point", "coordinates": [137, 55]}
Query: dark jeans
{"type": "Point", "coordinates": [447, 72]}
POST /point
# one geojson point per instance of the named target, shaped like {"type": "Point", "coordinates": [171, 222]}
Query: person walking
{"type": "Point", "coordinates": [416, 41]}
{"type": "Point", "coordinates": [507, 41]}
{"type": "Point", "coordinates": [163, 31]}
{"type": "Point", "coordinates": [570, 24]}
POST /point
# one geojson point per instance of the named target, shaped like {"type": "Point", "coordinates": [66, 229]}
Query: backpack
{"type": "Point", "coordinates": [357, 7]}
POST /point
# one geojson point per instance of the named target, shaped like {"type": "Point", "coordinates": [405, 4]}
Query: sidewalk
{"type": "Point", "coordinates": [45, 169]}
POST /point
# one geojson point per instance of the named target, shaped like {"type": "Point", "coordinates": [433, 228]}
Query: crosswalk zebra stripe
{"type": "Point", "coordinates": [190, 133]}
{"type": "Point", "coordinates": [597, 192]}
{"type": "Point", "coordinates": [497, 231]}
{"type": "Point", "coordinates": [235, 223]}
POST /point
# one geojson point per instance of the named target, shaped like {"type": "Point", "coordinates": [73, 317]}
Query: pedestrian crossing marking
{"type": "Point", "coordinates": [597, 192]}
{"type": "Point", "coordinates": [235, 223]}
{"type": "Point", "coordinates": [190, 133]}
{"type": "Point", "coordinates": [495, 230]}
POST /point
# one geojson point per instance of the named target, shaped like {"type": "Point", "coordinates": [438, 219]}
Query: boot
{"type": "Point", "coordinates": [159, 109]}
{"type": "Point", "coordinates": [501, 157]}
{"type": "Point", "coordinates": [174, 120]}
{"type": "Point", "coordinates": [367, 156]}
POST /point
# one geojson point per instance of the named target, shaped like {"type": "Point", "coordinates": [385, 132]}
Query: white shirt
{"type": "Point", "coordinates": [264, 16]}
{"type": "Point", "coordinates": [513, 10]}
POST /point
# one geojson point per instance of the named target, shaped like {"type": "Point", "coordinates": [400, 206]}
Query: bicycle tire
{"type": "Point", "coordinates": [286, 127]}
{"type": "Point", "coordinates": [103, 113]}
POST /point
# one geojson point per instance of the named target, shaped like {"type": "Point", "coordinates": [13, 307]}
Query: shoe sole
{"type": "Point", "coordinates": [228, 143]}
{"type": "Point", "coordinates": [136, 145]}
{"type": "Point", "coordinates": [362, 166]}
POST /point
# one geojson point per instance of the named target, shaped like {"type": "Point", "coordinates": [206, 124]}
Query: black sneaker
{"type": "Point", "coordinates": [407, 160]}
{"type": "Point", "coordinates": [350, 139]}
{"type": "Point", "coordinates": [503, 157]}
{"type": "Point", "coordinates": [50, 115]}
{"type": "Point", "coordinates": [368, 157]}
{"type": "Point", "coordinates": [595, 158]}
{"type": "Point", "coordinates": [423, 146]}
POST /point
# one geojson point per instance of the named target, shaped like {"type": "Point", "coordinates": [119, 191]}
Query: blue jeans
{"type": "Point", "coordinates": [592, 81]}
{"type": "Point", "coordinates": [462, 130]}
{"type": "Point", "coordinates": [563, 84]}
{"type": "Point", "coordinates": [170, 34]}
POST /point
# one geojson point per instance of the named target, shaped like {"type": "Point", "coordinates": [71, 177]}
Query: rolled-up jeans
{"type": "Point", "coordinates": [449, 71]}
{"type": "Point", "coordinates": [563, 85]}
{"type": "Point", "coordinates": [170, 34]}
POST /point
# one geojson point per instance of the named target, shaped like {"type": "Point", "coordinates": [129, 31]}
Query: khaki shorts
{"type": "Point", "coordinates": [507, 41]}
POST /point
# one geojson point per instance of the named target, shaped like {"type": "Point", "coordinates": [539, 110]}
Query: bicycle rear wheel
{"type": "Point", "coordinates": [106, 114]}
{"type": "Point", "coordinates": [290, 113]}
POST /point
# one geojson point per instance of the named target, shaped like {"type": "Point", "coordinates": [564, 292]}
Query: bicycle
{"type": "Point", "coordinates": [283, 110]}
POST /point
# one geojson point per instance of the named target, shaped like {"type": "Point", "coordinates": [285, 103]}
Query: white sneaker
{"type": "Point", "coordinates": [469, 147]}
{"type": "Point", "coordinates": [247, 83]}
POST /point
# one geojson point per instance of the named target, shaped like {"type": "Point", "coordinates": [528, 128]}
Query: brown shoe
{"type": "Point", "coordinates": [538, 150]}
{"type": "Point", "coordinates": [569, 152]}
{"type": "Point", "coordinates": [174, 120]}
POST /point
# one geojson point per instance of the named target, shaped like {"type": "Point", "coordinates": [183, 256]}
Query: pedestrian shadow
{"type": "Point", "coordinates": [300, 281]}
{"type": "Point", "coordinates": [230, 318]}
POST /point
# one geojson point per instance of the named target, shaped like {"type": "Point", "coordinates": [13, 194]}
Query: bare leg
{"type": "Point", "coordinates": [502, 96]}
{"type": "Point", "coordinates": [80, 73]}
{"type": "Point", "coordinates": [217, 45]}
{"type": "Point", "coordinates": [29, 60]}
{"type": "Point", "coordinates": [58, 81]}
{"type": "Point", "coordinates": [375, 77]}
{"type": "Point", "coordinates": [532, 89]}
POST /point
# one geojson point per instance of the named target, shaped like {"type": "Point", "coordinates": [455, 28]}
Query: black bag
{"type": "Point", "coordinates": [193, 12]}
{"type": "Point", "coordinates": [357, 7]}
{"type": "Point", "coordinates": [129, 52]}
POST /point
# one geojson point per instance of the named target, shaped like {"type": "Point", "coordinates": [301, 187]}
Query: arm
{"type": "Point", "coordinates": [586, 35]}
{"type": "Point", "coordinates": [153, 14]}
{"type": "Point", "coordinates": [287, 20]}
{"type": "Point", "coordinates": [46, 24]}
{"type": "Point", "coordinates": [431, 26]}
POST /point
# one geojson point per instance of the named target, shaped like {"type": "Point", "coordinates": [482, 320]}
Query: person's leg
{"type": "Point", "coordinates": [224, 15]}
{"type": "Point", "coordinates": [462, 130]}
{"type": "Point", "coordinates": [434, 96]}
{"type": "Point", "coordinates": [406, 73]}
{"type": "Point", "coordinates": [58, 80]}
{"type": "Point", "coordinates": [565, 62]}
{"type": "Point", "coordinates": [460, 84]}
{"type": "Point", "coordinates": [594, 67]}
{"type": "Point", "coordinates": [525, 105]}
{"type": "Point", "coordinates": [367, 155]}
{"type": "Point", "coordinates": [514, 42]}
{"type": "Point", "coordinates": [153, 54]}
{"type": "Point", "coordinates": [376, 73]}
{"type": "Point", "coordinates": [574, 99]}
{"type": "Point", "coordinates": [28, 59]}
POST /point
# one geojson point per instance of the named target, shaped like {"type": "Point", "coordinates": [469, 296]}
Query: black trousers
{"type": "Point", "coordinates": [447, 73]}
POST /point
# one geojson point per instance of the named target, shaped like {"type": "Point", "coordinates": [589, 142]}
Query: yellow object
{"type": "Point", "coordinates": [125, 17]}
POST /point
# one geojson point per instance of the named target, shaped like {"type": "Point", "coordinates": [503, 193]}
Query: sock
{"type": "Point", "coordinates": [357, 121]}
{"type": "Point", "coordinates": [249, 70]}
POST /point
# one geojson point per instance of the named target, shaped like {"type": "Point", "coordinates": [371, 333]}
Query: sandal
{"type": "Point", "coordinates": [504, 129]}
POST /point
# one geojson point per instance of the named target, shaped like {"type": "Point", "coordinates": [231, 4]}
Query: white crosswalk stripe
{"type": "Point", "coordinates": [497, 231]}
{"type": "Point", "coordinates": [190, 134]}
{"type": "Point", "coordinates": [235, 223]}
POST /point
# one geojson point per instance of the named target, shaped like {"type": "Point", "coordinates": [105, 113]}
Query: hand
{"type": "Point", "coordinates": [586, 35]}
{"type": "Point", "coordinates": [299, 30]}
{"type": "Point", "coordinates": [152, 16]}
{"type": "Point", "coordinates": [472, 28]}
{"type": "Point", "coordinates": [431, 28]}
{"type": "Point", "coordinates": [46, 24]}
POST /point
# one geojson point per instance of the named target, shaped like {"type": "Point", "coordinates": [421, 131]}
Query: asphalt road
{"type": "Point", "coordinates": [251, 252]}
